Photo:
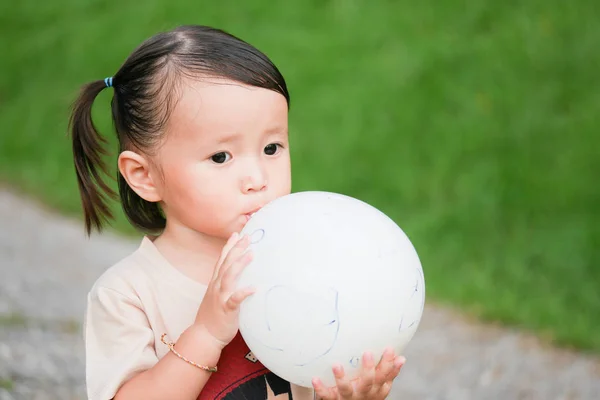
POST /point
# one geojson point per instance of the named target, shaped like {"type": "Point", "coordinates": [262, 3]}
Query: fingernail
{"type": "Point", "coordinates": [400, 360]}
{"type": "Point", "coordinates": [317, 384]}
{"type": "Point", "coordinates": [368, 357]}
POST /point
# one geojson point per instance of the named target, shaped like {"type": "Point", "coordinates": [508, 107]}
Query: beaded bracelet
{"type": "Point", "coordinates": [171, 346]}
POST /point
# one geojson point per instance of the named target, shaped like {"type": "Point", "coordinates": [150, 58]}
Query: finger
{"type": "Point", "coordinates": [344, 386]}
{"type": "Point", "coordinates": [230, 243]}
{"type": "Point", "coordinates": [397, 367]}
{"type": "Point", "coordinates": [236, 251]}
{"type": "Point", "coordinates": [367, 374]}
{"type": "Point", "coordinates": [230, 274]}
{"type": "Point", "coordinates": [322, 392]}
{"type": "Point", "coordinates": [234, 301]}
{"type": "Point", "coordinates": [385, 366]}
{"type": "Point", "coordinates": [385, 390]}
{"type": "Point", "coordinates": [399, 362]}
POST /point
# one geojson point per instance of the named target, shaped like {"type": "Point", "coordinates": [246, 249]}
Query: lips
{"type": "Point", "coordinates": [251, 213]}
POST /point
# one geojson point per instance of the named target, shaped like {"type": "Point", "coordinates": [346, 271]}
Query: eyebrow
{"type": "Point", "coordinates": [235, 136]}
{"type": "Point", "coordinates": [229, 138]}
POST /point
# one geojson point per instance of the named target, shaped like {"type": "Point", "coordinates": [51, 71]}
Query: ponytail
{"type": "Point", "coordinates": [87, 153]}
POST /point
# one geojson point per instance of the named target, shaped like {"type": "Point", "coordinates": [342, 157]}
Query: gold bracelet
{"type": "Point", "coordinates": [171, 346]}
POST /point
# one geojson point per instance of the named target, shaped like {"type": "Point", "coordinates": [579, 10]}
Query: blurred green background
{"type": "Point", "coordinates": [473, 124]}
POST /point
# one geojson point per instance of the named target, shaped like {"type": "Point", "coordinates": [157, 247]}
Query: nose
{"type": "Point", "coordinates": [254, 178]}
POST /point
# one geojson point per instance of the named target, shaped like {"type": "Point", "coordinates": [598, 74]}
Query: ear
{"type": "Point", "coordinates": [139, 174]}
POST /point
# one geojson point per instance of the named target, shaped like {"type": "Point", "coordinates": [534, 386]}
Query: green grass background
{"type": "Point", "coordinates": [474, 124]}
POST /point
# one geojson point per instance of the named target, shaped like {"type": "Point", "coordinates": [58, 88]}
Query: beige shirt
{"type": "Point", "coordinates": [131, 305]}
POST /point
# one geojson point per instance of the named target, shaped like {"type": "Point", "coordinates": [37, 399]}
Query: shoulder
{"type": "Point", "coordinates": [119, 301]}
{"type": "Point", "coordinates": [126, 276]}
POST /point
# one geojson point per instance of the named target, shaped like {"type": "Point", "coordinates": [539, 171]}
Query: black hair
{"type": "Point", "coordinates": [144, 97]}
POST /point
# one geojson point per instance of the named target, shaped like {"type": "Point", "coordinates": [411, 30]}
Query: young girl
{"type": "Point", "coordinates": [202, 125]}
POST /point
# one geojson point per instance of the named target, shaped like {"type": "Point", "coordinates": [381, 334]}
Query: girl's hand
{"type": "Point", "coordinates": [218, 312]}
{"type": "Point", "coordinates": [372, 383]}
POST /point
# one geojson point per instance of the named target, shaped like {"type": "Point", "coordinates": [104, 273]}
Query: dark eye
{"type": "Point", "coordinates": [220, 158]}
{"type": "Point", "coordinates": [271, 149]}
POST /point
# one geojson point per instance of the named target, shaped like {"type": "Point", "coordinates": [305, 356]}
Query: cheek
{"type": "Point", "coordinates": [202, 199]}
{"type": "Point", "coordinates": [210, 189]}
{"type": "Point", "coordinates": [187, 185]}
{"type": "Point", "coordinates": [282, 176]}
{"type": "Point", "coordinates": [217, 190]}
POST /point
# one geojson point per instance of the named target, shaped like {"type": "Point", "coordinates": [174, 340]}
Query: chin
{"type": "Point", "coordinates": [237, 228]}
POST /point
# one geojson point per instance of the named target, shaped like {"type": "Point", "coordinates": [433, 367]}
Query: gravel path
{"type": "Point", "coordinates": [47, 267]}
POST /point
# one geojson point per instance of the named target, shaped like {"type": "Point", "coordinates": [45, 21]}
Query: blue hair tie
{"type": "Point", "coordinates": [108, 82]}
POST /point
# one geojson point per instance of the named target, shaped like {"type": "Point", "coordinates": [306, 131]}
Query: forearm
{"type": "Point", "coordinates": [172, 378]}
{"type": "Point", "coordinates": [301, 392]}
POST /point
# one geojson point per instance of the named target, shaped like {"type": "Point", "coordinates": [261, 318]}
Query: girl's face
{"type": "Point", "coordinates": [226, 154]}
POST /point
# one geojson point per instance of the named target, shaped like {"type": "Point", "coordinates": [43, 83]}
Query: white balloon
{"type": "Point", "coordinates": [334, 277]}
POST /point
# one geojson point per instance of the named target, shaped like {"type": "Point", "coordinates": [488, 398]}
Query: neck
{"type": "Point", "coordinates": [193, 253]}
